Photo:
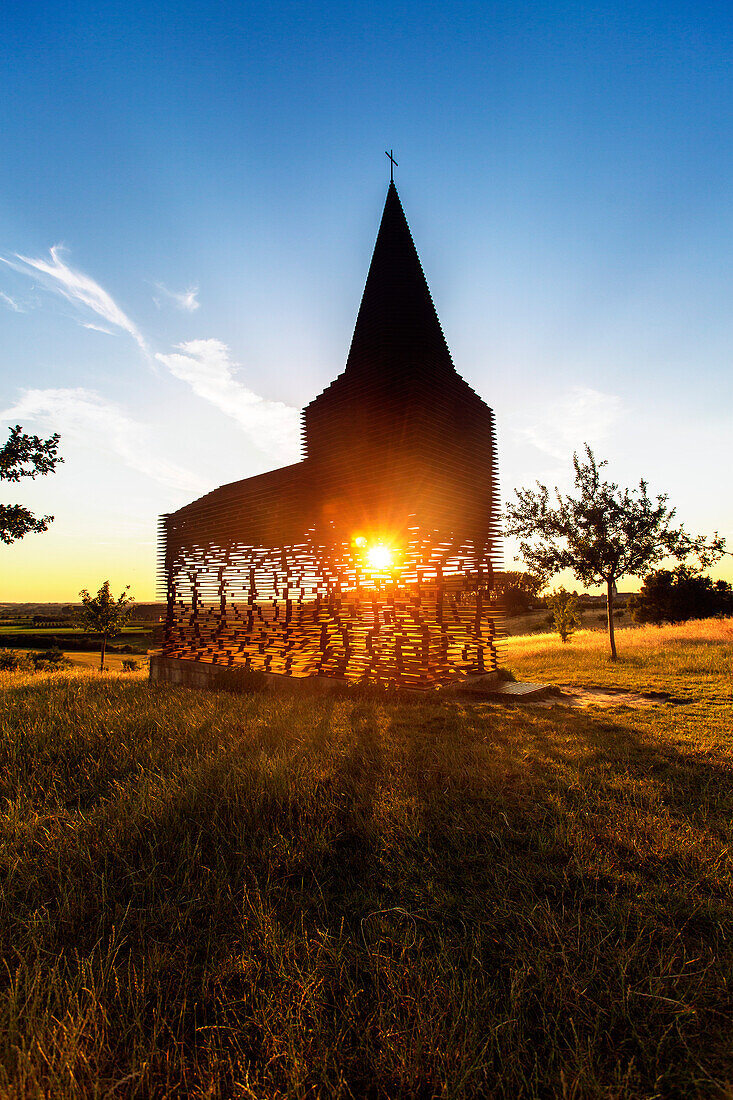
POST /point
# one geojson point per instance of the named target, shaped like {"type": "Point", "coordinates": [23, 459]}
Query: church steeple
{"type": "Point", "coordinates": [397, 333]}
{"type": "Point", "coordinates": [399, 404]}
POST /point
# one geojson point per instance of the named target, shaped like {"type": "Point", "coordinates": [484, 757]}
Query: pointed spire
{"type": "Point", "coordinates": [397, 332]}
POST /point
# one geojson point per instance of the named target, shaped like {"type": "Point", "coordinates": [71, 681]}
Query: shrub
{"type": "Point", "coordinates": [516, 592]}
{"type": "Point", "coordinates": [129, 664]}
{"type": "Point", "coordinates": [506, 675]}
{"type": "Point", "coordinates": [37, 660]}
{"type": "Point", "coordinates": [54, 655]}
{"type": "Point", "coordinates": [48, 660]}
{"type": "Point", "coordinates": [13, 659]}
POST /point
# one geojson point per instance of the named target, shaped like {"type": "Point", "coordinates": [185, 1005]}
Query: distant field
{"type": "Point", "coordinates": [112, 661]}
{"type": "Point", "coordinates": [536, 622]}
{"type": "Point", "coordinates": [347, 896]}
{"type": "Point", "coordinates": [77, 642]}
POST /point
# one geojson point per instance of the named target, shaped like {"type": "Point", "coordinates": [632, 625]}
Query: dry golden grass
{"type": "Point", "coordinates": [634, 638]}
{"type": "Point", "coordinates": [210, 895]}
{"type": "Point", "coordinates": [683, 655]}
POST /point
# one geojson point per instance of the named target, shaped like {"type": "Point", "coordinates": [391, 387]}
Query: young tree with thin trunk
{"type": "Point", "coordinates": [104, 615]}
{"type": "Point", "coordinates": [602, 533]}
{"type": "Point", "coordinates": [565, 612]}
{"type": "Point", "coordinates": [25, 456]}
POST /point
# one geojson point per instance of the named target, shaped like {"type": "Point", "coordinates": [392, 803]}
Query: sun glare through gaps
{"type": "Point", "coordinates": [379, 557]}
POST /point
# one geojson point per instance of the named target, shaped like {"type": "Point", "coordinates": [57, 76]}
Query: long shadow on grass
{"type": "Point", "coordinates": [401, 896]}
{"type": "Point", "coordinates": [541, 838]}
{"type": "Point", "coordinates": [695, 788]}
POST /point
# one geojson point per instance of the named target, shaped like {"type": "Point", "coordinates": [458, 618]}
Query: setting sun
{"type": "Point", "coordinates": [379, 557]}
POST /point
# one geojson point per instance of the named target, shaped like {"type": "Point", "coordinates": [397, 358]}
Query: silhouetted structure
{"type": "Point", "coordinates": [373, 556]}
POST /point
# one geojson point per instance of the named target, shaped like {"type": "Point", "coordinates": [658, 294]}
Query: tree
{"type": "Point", "coordinates": [25, 456]}
{"type": "Point", "coordinates": [565, 612]}
{"type": "Point", "coordinates": [676, 595]}
{"type": "Point", "coordinates": [602, 533]}
{"type": "Point", "coordinates": [105, 615]}
{"type": "Point", "coordinates": [516, 591]}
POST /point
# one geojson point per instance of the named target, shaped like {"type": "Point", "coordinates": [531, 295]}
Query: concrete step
{"type": "Point", "coordinates": [505, 689]}
{"type": "Point", "coordinates": [519, 689]}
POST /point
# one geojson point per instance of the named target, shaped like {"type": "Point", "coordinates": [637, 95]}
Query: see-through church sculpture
{"type": "Point", "coordinates": [373, 557]}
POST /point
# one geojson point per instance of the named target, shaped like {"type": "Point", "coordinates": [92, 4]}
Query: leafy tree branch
{"type": "Point", "coordinates": [25, 456]}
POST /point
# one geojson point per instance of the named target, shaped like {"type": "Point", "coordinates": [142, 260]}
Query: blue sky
{"type": "Point", "coordinates": [211, 177]}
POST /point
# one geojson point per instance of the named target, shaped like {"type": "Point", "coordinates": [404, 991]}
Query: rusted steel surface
{"type": "Point", "coordinates": [373, 557]}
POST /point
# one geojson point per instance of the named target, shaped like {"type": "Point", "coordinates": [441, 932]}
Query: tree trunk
{"type": "Point", "coordinates": [611, 636]}
{"type": "Point", "coordinates": [104, 646]}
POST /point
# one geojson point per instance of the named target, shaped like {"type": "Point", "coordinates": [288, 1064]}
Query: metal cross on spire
{"type": "Point", "coordinates": [392, 165]}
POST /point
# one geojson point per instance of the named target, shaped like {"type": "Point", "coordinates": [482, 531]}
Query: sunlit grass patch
{"type": "Point", "coordinates": [681, 655]}
{"type": "Point", "coordinates": [262, 895]}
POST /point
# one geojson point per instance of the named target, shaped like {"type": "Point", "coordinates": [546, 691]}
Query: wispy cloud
{"type": "Point", "coordinates": [83, 416]}
{"type": "Point", "coordinates": [11, 303]}
{"type": "Point", "coordinates": [578, 416]}
{"type": "Point", "coordinates": [206, 367]}
{"type": "Point", "coordinates": [96, 328]}
{"type": "Point", "coordinates": [78, 288]}
{"type": "Point", "coordinates": [183, 299]}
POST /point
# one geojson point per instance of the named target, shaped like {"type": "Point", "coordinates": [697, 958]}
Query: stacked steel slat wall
{"type": "Point", "coordinates": [267, 573]}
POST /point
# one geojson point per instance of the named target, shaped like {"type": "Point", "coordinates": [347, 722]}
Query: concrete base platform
{"type": "Point", "coordinates": [203, 674]}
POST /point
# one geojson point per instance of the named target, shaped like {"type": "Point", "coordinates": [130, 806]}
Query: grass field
{"type": "Point", "coordinates": [269, 896]}
{"type": "Point", "coordinates": [112, 661]}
